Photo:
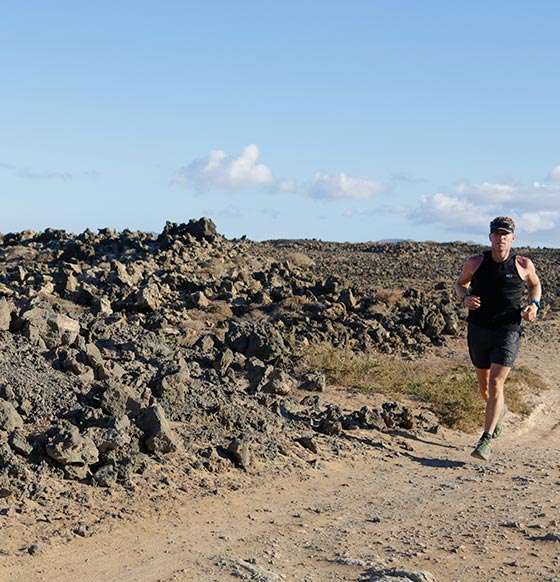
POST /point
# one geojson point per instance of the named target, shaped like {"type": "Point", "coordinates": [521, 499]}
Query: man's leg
{"type": "Point", "coordinates": [483, 378]}
{"type": "Point", "coordinates": [491, 385]}
{"type": "Point", "coordinates": [495, 402]}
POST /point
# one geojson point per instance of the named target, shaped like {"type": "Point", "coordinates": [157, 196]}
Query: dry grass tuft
{"type": "Point", "coordinates": [521, 383]}
{"type": "Point", "coordinates": [298, 259]}
{"type": "Point", "coordinates": [448, 388]}
{"type": "Point", "coordinates": [389, 297]}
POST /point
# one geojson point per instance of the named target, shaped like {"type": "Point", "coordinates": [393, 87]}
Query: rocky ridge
{"type": "Point", "coordinates": [122, 347]}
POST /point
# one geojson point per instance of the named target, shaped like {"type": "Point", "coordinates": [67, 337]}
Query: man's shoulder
{"type": "Point", "coordinates": [525, 266]}
{"type": "Point", "coordinates": [524, 262]}
{"type": "Point", "coordinates": [475, 260]}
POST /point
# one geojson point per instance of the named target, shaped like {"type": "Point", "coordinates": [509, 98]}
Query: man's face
{"type": "Point", "coordinates": [501, 239]}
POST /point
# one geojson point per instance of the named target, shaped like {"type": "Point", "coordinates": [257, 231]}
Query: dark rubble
{"type": "Point", "coordinates": [119, 348]}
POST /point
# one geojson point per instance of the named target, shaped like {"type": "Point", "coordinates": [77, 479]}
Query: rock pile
{"type": "Point", "coordinates": [121, 347]}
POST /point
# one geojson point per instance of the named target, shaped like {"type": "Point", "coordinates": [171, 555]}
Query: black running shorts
{"type": "Point", "coordinates": [492, 346]}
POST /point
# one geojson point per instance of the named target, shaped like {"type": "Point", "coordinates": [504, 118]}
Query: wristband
{"type": "Point", "coordinates": [536, 302]}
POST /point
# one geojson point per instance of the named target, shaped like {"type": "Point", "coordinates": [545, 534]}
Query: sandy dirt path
{"type": "Point", "coordinates": [415, 502]}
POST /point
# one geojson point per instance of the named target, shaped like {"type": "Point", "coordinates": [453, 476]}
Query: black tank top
{"type": "Point", "coordinates": [500, 289]}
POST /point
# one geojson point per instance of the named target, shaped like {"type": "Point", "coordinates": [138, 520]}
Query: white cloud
{"type": "Point", "coordinates": [515, 197]}
{"type": "Point", "coordinates": [338, 187]}
{"type": "Point", "coordinates": [454, 212]}
{"type": "Point", "coordinates": [287, 186]}
{"type": "Point", "coordinates": [539, 221]}
{"type": "Point", "coordinates": [499, 193]}
{"type": "Point", "coordinates": [535, 207]}
{"type": "Point", "coordinates": [218, 170]}
{"type": "Point", "coordinates": [554, 174]}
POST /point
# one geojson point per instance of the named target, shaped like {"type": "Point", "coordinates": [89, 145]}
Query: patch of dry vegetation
{"type": "Point", "coordinates": [523, 382]}
{"type": "Point", "coordinates": [299, 259]}
{"type": "Point", "coordinates": [389, 297]}
{"type": "Point", "coordinates": [448, 388]}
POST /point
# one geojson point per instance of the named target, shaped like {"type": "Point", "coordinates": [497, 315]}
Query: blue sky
{"type": "Point", "coordinates": [347, 121]}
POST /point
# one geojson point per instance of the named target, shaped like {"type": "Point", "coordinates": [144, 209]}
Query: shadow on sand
{"type": "Point", "coordinates": [416, 437]}
{"type": "Point", "coordinates": [436, 463]}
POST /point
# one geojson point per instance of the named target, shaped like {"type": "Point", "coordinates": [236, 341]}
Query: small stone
{"type": "Point", "coordinates": [241, 452]}
{"type": "Point", "coordinates": [278, 382]}
{"type": "Point", "coordinates": [308, 443]}
{"type": "Point", "coordinates": [20, 444]}
{"type": "Point", "coordinates": [314, 382]}
{"type": "Point", "coordinates": [199, 299]}
{"type": "Point", "coordinates": [552, 537]}
{"type": "Point", "coordinates": [9, 417]}
{"type": "Point", "coordinates": [5, 492]}
{"type": "Point", "coordinates": [34, 549]}
{"type": "Point", "coordinates": [69, 447]}
{"type": "Point", "coordinates": [159, 436]}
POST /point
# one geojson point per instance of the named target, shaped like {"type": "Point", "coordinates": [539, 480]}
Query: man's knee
{"type": "Point", "coordinates": [496, 387]}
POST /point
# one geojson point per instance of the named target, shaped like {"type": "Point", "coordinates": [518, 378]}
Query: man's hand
{"type": "Point", "coordinates": [530, 312]}
{"type": "Point", "coordinates": [472, 302]}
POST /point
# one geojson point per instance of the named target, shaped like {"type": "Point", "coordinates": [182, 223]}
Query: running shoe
{"type": "Point", "coordinates": [482, 450]}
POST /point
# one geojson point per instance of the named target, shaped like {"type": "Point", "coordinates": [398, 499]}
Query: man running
{"type": "Point", "coordinates": [491, 287]}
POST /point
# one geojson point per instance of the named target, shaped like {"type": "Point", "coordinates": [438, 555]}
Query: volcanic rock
{"type": "Point", "coordinates": [119, 347]}
{"type": "Point", "coordinates": [9, 417]}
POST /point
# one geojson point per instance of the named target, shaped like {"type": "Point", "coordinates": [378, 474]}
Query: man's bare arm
{"type": "Point", "coordinates": [529, 275]}
{"type": "Point", "coordinates": [534, 289]}
{"type": "Point", "coordinates": [463, 281]}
